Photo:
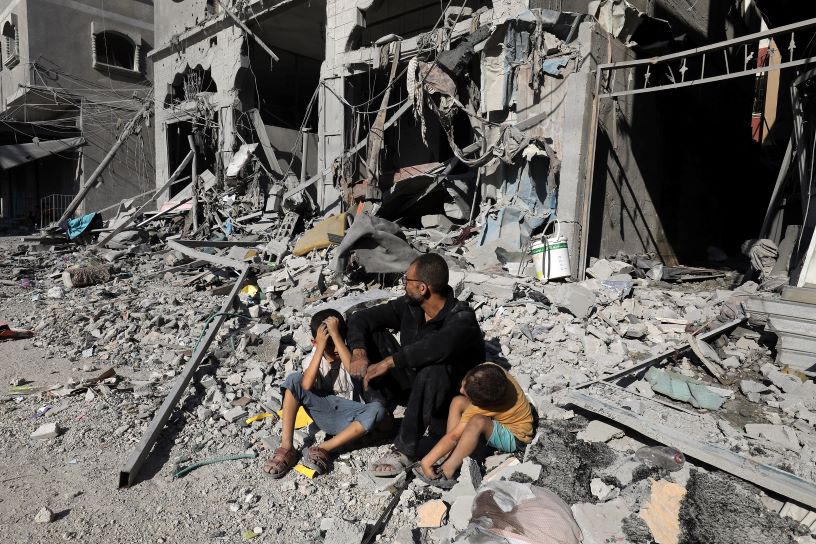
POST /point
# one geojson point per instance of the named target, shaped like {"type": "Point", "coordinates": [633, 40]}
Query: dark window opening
{"type": "Point", "coordinates": [114, 49]}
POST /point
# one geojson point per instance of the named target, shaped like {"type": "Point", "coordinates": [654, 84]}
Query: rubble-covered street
{"type": "Point", "coordinates": [356, 271]}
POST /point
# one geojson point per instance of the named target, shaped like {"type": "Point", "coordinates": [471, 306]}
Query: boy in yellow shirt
{"type": "Point", "coordinates": [491, 405]}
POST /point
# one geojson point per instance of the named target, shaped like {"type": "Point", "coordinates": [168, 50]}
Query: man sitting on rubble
{"type": "Point", "coordinates": [331, 397]}
{"type": "Point", "coordinates": [440, 341]}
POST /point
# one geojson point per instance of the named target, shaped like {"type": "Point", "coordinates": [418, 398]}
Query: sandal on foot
{"type": "Point", "coordinates": [396, 462]}
{"type": "Point", "coordinates": [281, 462]}
{"type": "Point", "coordinates": [316, 459]}
{"type": "Point", "coordinates": [438, 481]}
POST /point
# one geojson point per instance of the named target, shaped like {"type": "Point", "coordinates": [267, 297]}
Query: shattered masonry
{"type": "Point", "coordinates": [619, 188]}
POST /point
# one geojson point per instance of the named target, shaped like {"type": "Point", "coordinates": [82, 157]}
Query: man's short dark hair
{"type": "Point", "coordinates": [432, 270]}
{"type": "Point", "coordinates": [486, 385]}
{"type": "Point", "coordinates": [321, 316]}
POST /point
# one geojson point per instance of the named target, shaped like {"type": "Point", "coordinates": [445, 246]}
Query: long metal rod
{"type": "Point", "coordinates": [714, 46]}
{"type": "Point", "coordinates": [194, 184]}
{"type": "Point", "coordinates": [590, 174]}
{"type": "Point", "coordinates": [150, 200]}
{"type": "Point", "coordinates": [91, 181]}
{"type": "Point", "coordinates": [713, 79]}
{"type": "Point", "coordinates": [137, 457]}
{"type": "Point", "coordinates": [248, 31]}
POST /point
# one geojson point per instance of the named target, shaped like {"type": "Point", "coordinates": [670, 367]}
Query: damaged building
{"type": "Point", "coordinates": [73, 74]}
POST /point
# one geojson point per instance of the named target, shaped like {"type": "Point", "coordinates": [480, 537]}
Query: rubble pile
{"type": "Point", "coordinates": [143, 324]}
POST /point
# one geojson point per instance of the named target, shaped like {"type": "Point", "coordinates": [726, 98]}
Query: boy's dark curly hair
{"type": "Point", "coordinates": [322, 316]}
{"type": "Point", "coordinates": [486, 385]}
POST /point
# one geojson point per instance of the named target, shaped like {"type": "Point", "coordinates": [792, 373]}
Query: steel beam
{"type": "Point", "coordinates": [127, 475]}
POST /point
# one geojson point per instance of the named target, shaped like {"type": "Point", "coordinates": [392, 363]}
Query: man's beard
{"type": "Point", "coordinates": [414, 301]}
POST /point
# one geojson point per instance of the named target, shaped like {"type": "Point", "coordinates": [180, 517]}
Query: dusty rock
{"type": "Point", "coordinates": [44, 516]}
{"type": "Point", "coordinates": [344, 532]}
{"type": "Point", "coordinates": [598, 431]}
{"type": "Point", "coordinates": [46, 431]}
{"type": "Point", "coordinates": [432, 514]}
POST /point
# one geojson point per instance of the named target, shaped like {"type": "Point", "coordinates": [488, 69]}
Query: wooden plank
{"type": "Point", "coordinates": [765, 476]}
{"type": "Point", "coordinates": [263, 139]}
{"type": "Point", "coordinates": [127, 475]}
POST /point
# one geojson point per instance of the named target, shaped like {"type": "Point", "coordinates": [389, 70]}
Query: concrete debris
{"type": "Point", "coordinates": [44, 515]}
{"type": "Point", "coordinates": [662, 512]}
{"type": "Point", "coordinates": [598, 431]}
{"type": "Point", "coordinates": [285, 219]}
{"type": "Point", "coordinates": [432, 514]}
{"type": "Point", "coordinates": [46, 431]}
{"type": "Point", "coordinates": [778, 434]}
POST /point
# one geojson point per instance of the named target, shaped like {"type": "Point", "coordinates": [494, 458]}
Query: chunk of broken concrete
{"type": "Point", "coordinates": [778, 434]}
{"type": "Point", "coordinates": [573, 298]}
{"type": "Point", "coordinates": [344, 532]}
{"type": "Point", "coordinates": [460, 512]}
{"type": "Point", "coordinates": [662, 513]}
{"type": "Point", "coordinates": [598, 431]}
{"type": "Point", "coordinates": [432, 514]}
{"type": "Point", "coordinates": [46, 431]}
{"type": "Point", "coordinates": [44, 516]}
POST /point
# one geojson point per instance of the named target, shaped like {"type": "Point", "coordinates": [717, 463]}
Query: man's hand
{"type": "Point", "coordinates": [378, 369]}
{"type": "Point", "coordinates": [359, 363]}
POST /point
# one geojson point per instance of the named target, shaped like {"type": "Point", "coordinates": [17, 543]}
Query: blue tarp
{"type": "Point", "coordinates": [78, 225]}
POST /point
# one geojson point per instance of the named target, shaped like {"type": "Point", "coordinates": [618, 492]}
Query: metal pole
{"type": "Point", "coordinates": [303, 150]}
{"type": "Point", "coordinates": [128, 473]}
{"type": "Point", "coordinates": [104, 163]}
{"type": "Point", "coordinates": [590, 174]}
{"type": "Point", "coordinates": [248, 31]}
{"type": "Point", "coordinates": [194, 184]}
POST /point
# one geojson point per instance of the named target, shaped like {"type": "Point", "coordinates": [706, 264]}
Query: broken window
{"type": "Point", "coordinates": [188, 84]}
{"type": "Point", "coordinates": [114, 49]}
{"type": "Point", "coordinates": [11, 44]}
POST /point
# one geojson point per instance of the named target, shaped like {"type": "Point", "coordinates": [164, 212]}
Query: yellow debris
{"type": "Point", "coordinates": [318, 236]}
{"type": "Point", "coordinates": [259, 417]}
{"type": "Point", "coordinates": [306, 471]}
{"type": "Point", "coordinates": [302, 419]}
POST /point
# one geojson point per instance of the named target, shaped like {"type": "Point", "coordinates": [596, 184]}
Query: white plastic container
{"type": "Point", "coordinates": [551, 256]}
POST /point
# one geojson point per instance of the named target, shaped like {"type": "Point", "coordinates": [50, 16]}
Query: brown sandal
{"type": "Point", "coordinates": [281, 462]}
{"type": "Point", "coordinates": [317, 459]}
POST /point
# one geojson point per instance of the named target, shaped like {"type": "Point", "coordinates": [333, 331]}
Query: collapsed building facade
{"type": "Point", "coordinates": [428, 116]}
{"type": "Point", "coordinates": [65, 105]}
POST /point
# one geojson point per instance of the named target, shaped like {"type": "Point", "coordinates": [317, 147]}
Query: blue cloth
{"type": "Point", "coordinates": [78, 225]}
{"type": "Point", "coordinates": [553, 66]}
{"type": "Point", "coordinates": [332, 414]}
{"type": "Point", "coordinates": [502, 439]}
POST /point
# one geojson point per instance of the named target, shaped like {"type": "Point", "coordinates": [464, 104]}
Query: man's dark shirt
{"type": "Point", "coordinates": [452, 337]}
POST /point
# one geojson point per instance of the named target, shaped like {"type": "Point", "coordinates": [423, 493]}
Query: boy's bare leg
{"type": "Point", "coordinates": [459, 404]}
{"type": "Point", "coordinates": [290, 410]}
{"type": "Point", "coordinates": [478, 425]}
{"type": "Point", "coordinates": [351, 433]}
